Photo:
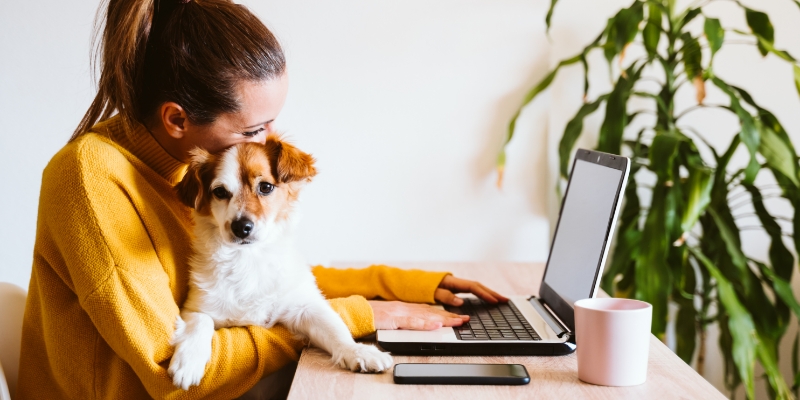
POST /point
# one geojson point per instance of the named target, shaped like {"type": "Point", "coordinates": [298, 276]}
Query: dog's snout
{"type": "Point", "coordinates": [242, 227]}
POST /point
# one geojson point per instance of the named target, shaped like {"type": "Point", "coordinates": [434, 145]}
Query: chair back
{"type": "Point", "coordinates": [12, 307]}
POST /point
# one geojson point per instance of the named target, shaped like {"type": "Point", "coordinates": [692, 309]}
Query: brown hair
{"type": "Point", "coordinates": [193, 53]}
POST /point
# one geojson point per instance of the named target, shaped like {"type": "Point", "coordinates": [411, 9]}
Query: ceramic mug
{"type": "Point", "coordinates": [613, 340]}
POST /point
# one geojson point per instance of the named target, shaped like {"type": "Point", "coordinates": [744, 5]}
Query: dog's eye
{"type": "Point", "coordinates": [265, 188]}
{"type": "Point", "coordinates": [220, 193]}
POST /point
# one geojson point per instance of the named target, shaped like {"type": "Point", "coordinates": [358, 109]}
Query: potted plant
{"type": "Point", "coordinates": [685, 247]}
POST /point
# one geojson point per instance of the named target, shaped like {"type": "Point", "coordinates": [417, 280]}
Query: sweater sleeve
{"type": "Point", "coordinates": [124, 288]}
{"type": "Point", "coordinates": [379, 281]}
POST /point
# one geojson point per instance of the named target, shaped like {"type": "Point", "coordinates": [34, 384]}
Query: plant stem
{"type": "Point", "coordinates": [701, 351]}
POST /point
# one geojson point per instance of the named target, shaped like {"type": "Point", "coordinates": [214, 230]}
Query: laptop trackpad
{"type": "Point", "coordinates": [439, 335]}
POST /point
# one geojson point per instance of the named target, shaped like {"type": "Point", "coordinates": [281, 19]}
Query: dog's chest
{"type": "Point", "coordinates": [237, 299]}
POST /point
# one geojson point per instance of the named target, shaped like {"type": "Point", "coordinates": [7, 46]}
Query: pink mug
{"type": "Point", "coordinates": [613, 340]}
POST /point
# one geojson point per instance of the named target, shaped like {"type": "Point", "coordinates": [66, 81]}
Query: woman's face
{"type": "Point", "coordinates": [261, 102]}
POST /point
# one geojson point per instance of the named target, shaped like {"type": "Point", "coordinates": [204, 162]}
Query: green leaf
{"type": "Point", "coordinates": [761, 26]}
{"type": "Point", "coordinates": [652, 30]}
{"type": "Point", "coordinates": [740, 324]}
{"type": "Point", "coordinates": [652, 277]}
{"type": "Point", "coordinates": [621, 29]}
{"type": "Point", "coordinates": [749, 134]}
{"type": "Point", "coordinates": [698, 188]}
{"type": "Point", "coordinates": [549, 14]}
{"type": "Point", "coordinates": [732, 243]}
{"type": "Point", "coordinates": [777, 153]}
{"type": "Point", "coordinates": [715, 34]}
{"type": "Point", "coordinates": [783, 289]}
{"type": "Point", "coordinates": [616, 118]}
{"type": "Point", "coordinates": [662, 154]}
{"type": "Point", "coordinates": [690, 14]}
{"type": "Point", "coordinates": [686, 331]}
{"type": "Point", "coordinates": [796, 69]}
{"type": "Point", "coordinates": [541, 86]}
{"type": "Point", "coordinates": [573, 131]}
{"type": "Point", "coordinates": [686, 319]}
{"type": "Point", "coordinates": [780, 257]}
{"type": "Point", "coordinates": [692, 56]}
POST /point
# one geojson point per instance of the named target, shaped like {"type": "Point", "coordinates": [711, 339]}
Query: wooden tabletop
{"type": "Point", "coordinates": [554, 377]}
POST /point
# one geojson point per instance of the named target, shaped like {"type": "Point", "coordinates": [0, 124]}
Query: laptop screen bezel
{"type": "Point", "coordinates": [561, 307]}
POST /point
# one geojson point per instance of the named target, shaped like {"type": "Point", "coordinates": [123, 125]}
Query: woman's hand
{"type": "Point", "coordinates": [420, 317]}
{"type": "Point", "coordinates": [399, 315]}
{"type": "Point", "coordinates": [451, 285]}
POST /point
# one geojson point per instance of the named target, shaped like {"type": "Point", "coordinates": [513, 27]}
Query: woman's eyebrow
{"type": "Point", "coordinates": [258, 124]}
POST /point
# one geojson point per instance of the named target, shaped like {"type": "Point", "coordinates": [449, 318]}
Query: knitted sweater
{"type": "Point", "coordinates": [110, 273]}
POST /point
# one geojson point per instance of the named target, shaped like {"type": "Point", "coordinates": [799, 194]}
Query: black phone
{"type": "Point", "coordinates": [461, 374]}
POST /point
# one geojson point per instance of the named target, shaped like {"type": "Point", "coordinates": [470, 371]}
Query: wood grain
{"type": "Point", "coordinates": [668, 377]}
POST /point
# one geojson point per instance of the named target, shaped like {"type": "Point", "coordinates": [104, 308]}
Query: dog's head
{"type": "Point", "coordinates": [248, 191]}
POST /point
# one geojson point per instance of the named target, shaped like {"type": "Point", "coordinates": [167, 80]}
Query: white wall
{"type": "Point", "coordinates": [404, 104]}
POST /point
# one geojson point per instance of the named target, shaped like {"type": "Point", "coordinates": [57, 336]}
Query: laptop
{"type": "Point", "coordinates": [543, 324]}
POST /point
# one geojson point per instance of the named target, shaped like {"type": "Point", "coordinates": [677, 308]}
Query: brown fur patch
{"type": "Point", "coordinates": [287, 161]}
{"type": "Point", "coordinates": [253, 166]}
{"type": "Point", "coordinates": [193, 189]}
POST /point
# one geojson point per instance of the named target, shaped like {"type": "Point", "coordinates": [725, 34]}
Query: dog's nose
{"type": "Point", "coordinates": [242, 227]}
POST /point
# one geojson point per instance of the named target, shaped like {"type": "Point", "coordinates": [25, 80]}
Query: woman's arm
{"type": "Point", "coordinates": [379, 281]}
{"type": "Point", "coordinates": [408, 286]}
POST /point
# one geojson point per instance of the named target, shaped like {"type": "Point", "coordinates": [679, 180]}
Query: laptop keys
{"type": "Point", "coordinates": [492, 322]}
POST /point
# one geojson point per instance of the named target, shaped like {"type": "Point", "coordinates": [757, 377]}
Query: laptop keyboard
{"type": "Point", "coordinates": [492, 322]}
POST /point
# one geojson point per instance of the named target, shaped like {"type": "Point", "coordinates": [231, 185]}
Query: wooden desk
{"type": "Point", "coordinates": [668, 377]}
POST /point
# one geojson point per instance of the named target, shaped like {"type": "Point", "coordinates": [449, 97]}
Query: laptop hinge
{"type": "Point", "coordinates": [550, 317]}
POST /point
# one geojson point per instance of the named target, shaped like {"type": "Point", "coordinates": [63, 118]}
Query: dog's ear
{"type": "Point", "coordinates": [288, 163]}
{"type": "Point", "coordinates": [191, 189]}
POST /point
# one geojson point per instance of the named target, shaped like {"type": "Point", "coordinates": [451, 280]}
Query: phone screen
{"type": "Point", "coordinates": [461, 374]}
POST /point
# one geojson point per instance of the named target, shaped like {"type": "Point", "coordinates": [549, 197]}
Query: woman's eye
{"type": "Point", "coordinates": [253, 133]}
{"type": "Point", "coordinates": [265, 188]}
{"type": "Point", "coordinates": [220, 193]}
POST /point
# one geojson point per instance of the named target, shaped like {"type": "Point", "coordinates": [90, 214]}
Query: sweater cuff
{"type": "Point", "coordinates": [356, 313]}
{"type": "Point", "coordinates": [421, 285]}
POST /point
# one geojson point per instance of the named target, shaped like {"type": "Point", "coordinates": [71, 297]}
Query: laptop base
{"type": "Point", "coordinates": [471, 348]}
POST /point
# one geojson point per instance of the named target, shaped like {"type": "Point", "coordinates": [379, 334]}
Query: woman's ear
{"type": "Point", "coordinates": [288, 163]}
{"type": "Point", "coordinates": [191, 189]}
{"type": "Point", "coordinates": [174, 118]}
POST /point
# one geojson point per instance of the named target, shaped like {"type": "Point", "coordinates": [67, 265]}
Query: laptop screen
{"type": "Point", "coordinates": [580, 239]}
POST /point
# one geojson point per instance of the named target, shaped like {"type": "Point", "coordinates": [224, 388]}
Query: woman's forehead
{"type": "Point", "coordinates": [261, 102]}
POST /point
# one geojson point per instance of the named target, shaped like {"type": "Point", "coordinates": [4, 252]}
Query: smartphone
{"type": "Point", "coordinates": [461, 374]}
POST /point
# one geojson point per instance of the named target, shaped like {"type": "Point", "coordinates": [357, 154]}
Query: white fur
{"type": "Point", "coordinates": [261, 283]}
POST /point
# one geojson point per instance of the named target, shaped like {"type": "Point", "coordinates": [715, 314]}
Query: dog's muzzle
{"type": "Point", "coordinates": [242, 227]}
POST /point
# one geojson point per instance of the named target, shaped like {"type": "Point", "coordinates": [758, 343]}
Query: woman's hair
{"type": "Point", "coordinates": [193, 53]}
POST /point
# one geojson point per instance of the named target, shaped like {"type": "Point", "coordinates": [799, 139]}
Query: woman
{"type": "Point", "coordinates": [112, 242]}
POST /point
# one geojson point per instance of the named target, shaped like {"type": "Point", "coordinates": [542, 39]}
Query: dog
{"type": "Point", "coordinates": [245, 268]}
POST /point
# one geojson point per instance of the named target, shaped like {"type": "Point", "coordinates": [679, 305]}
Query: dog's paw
{"type": "Point", "coordinates": [192, 353]}
{"type": "Point", "coordinates": [188, 365]}
{"type": "Point", "coordinates": [363, 358]}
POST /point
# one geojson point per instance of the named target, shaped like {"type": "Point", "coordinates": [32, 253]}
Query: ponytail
{"type": "Point", "coordinates": [193, 53]}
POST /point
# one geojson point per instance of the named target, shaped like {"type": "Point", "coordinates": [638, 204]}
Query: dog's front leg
{"type": "Point", "coordinates": [326, 330]}
{"type": "Point", "coordinates": [192, 340]}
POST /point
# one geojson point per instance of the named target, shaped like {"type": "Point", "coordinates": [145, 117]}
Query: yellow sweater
{"type": "Point", "coordinates": [110, 271]}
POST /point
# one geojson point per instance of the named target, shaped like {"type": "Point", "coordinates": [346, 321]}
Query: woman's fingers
{"type": "Point", "coordinates": [494, 294]}
{"type": "Point", "coordinates": [447, 297]}
{"type": "Point", "coordinates": [459, 285]}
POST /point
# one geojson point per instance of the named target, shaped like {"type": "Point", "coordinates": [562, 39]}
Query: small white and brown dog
{"type": "Point", "coordinates": [245, 269]}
